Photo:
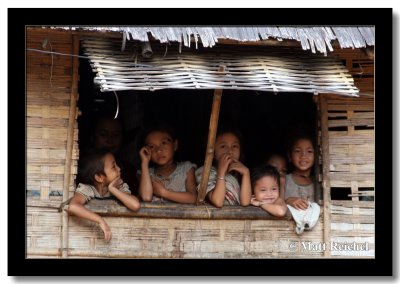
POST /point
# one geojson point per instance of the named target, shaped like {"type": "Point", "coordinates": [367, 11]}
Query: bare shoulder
{"type": "Point", "coordinates": [78, 198]}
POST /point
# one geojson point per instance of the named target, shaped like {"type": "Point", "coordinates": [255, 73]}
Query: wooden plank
{"type": "Point", "coordinates": [352, 139]}
{"type": "Point", "coordinates": [70, 143]}
{"type": "Point", "coordinates": [326, 186]}
{"type": "Point", "coordinates": [345, 176]}
{"type": "Point", "coordinates": [352, 204]}
{"type": "Point", "coordinates": [361, 183]}
{"type": "Point", "coordinates": [353, 219]}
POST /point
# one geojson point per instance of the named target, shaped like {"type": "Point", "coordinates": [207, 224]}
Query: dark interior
{"type": "Point", "coordinates": [265, 119]}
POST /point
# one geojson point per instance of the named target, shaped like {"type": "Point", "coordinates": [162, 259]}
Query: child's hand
{"type": "Point", "coordinates": [145, 154]}
{"type": "Point", "coordinates": [300, 204]}
{"type": "Point", "coordinates": [106, 230]}
{"type": "Point", "coordinates": [223, 163]}
{"type": "Point", "coordinates": [158, 188]}
{"type": "Point", "coordinates": [115, 184]}
{"type": "Point", "coordinates": [255, 202]}
{"type": "Point", "coordinates": [238, 167]}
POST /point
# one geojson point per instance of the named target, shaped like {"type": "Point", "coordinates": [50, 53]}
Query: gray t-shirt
{"type": "Point", "coordinates": [293, 189]}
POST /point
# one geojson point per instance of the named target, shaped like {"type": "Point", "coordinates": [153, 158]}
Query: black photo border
{"type": "Point", "coordinates": [19, 265]}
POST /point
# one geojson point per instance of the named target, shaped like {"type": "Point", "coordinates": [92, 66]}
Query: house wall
{"type": "Point", "coordinates": [350, 157]}
{"type": "Point", "coordinates": [350, 166]}
{"type": "Point", "coordinates": [52, 134]}
{"type": "Point", "coordinates": [51, 170]}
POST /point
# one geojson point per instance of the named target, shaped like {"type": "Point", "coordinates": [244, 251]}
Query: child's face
{"type": "Point", "coordinates": [111, 169]}
{"type": "Point", "coordinates": [108, 134]}
{"type": "Point", "coordinates": [266, 189]}
{"type": "Point", "coordinates": [303, 155]}
{"type": "Point", "coordinates": [162, 147]}
{"type": "Point", "coordinates": [279, 163]}
{"type": "Point", "coordinates": [227, 143]}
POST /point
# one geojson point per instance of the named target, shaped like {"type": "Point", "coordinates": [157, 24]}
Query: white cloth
{"type": "Point", "coordinates": [305, 219]}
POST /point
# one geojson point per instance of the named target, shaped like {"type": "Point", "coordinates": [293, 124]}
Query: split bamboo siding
{"type": "Point", "coordinates": [351, 166]}
{"type": "Point", "coordinates": [52, 134]}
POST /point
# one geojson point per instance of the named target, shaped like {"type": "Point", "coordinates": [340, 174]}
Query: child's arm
{"type": "Point", "coordinates": [297, 203]}
{"type": "Point", "coordinates": [76, 208]}
{"type": "Point", "coordinates": [278, 208]}
{"type": "Point", "coordinates": [189, 196]}
{"type": "Point", "coordinates": [145, 185]}
{"type": "Point", "coordinates": [245, 188]}
{"type": "Point", "coordinates": [127, 199]}
{"type": "Point", "coordinates": [217, 195]}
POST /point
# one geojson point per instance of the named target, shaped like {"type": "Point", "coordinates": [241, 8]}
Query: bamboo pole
{"type": "Point", "coordinates": [70, 143]}
{"type": "Point", "coordinates": [325, 170]}
{"type": "Point", "coordinates": [212, 133]}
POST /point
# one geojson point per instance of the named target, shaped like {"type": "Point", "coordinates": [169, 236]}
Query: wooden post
{"type": "Point", "coordinates": [318, 150]}
{"type": "Point", "coordinates": [325, 170]}
{"type": "Point", "coordinates": [212, 133]}
{"type": "Point", "coordinates": [70, 143]}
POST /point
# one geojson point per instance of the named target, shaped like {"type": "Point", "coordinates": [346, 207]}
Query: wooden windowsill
{"type": "Point", "coordinates": [181, 211]}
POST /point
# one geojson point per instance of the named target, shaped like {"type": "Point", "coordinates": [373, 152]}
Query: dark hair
{"type": "Point", "coordinates": [98, 119]}
{"type": "Point", "coordinates": [92, 164]}
{"type": "Point", "coordinates": [161, 127]}
{"type": "Point", "coordinates": [272, 154]}
{"type": "Point", "coordinates": [224, 129]}
{"type": "Point", "coordinates": [264, 171]}
{"type": "Point", "coordinates": [298, 137]}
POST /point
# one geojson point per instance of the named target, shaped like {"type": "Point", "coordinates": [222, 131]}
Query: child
{"type": "Point", "coordinates": [279, 162]}
{"type": "Point", "coordinates": [265, 183]}
{"type": "Point", "coordinates": [101, 178]}
{"type": "Point", "coordinates": [108, 134]}
{"type": "Point", "coordinates": [223, 187]}
{"type": "Point", "coordinates": [167, 179]}
{"type": "Point", "coordinates": [299, 188]}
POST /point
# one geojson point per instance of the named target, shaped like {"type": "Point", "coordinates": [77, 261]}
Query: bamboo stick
{"type": "Point", "coordinates": [70, 144]}
{"type": "Point", "coordinates": [211, 142]}
{"type": "Point", "coordinates": [325, 171]}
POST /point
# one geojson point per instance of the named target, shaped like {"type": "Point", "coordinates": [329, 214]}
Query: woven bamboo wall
{"type": "Point", "coordinates": [50, 87]}
{"type": "Point", "coordinates": [352, 168]}
{"type": "Point", "coordinates": [176, 238]}
{"type": "Point", "coordinates": [49, 83]}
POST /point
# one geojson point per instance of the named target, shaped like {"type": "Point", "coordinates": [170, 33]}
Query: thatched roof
{"type": "Point", "coordinates": [314, 38]}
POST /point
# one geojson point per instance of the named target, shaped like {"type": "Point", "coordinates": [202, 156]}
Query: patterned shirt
{"type": "Point", "coordinates": [231, 185]}
{"type": "Point", "coordinates": [90, 192]}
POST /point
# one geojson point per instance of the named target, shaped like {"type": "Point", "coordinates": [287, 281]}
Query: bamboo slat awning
{"type": "Point", "coordinates": [247, 68]}
{"type": "Point", "coordinates": [314, 38]}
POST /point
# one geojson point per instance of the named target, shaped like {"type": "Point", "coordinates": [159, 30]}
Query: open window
{"type": "Point", "coordinates": [265, 110]}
